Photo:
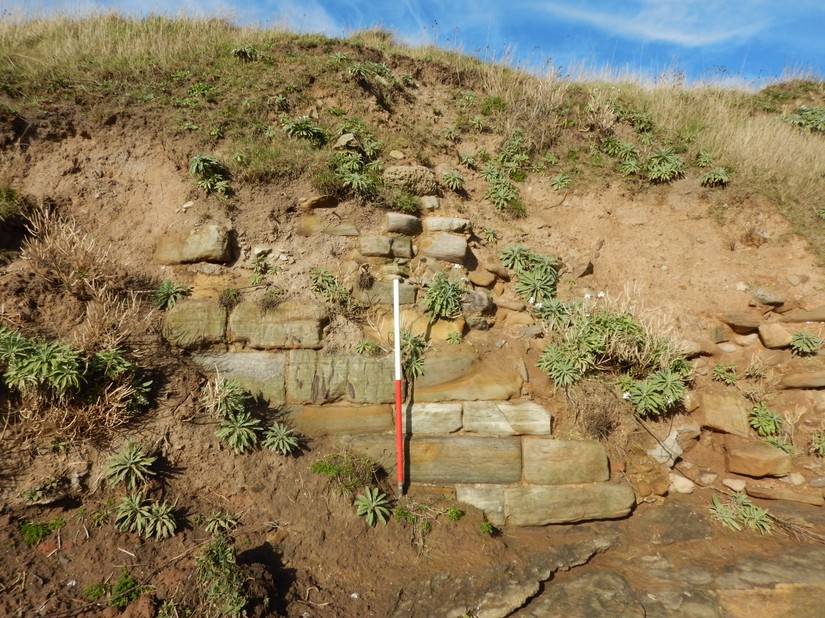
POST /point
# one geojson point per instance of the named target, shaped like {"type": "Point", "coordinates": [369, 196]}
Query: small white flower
{"type": "Point", "coordinates": [455, 266]}
{"type": "Point", "coordinates": [538, 305]}
{"type": "Point", "coordinates": [532, 300]}
{"type": "Point", "coordinates": [626, 395]}
{"type": "Point", "coordinates": [587, 297]}
{"type": "Point", "coordinates": [600, 294]}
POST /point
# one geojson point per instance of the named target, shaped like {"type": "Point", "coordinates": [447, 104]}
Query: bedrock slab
{"type": "Point", "coordinates": [537, 505]}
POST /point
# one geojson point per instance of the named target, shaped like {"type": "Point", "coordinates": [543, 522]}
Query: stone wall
{"type": "Point", "coordinates": [467, 430]}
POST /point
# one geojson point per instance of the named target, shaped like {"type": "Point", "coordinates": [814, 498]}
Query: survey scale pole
{"type": "Point", "coordinates": [399, 427]}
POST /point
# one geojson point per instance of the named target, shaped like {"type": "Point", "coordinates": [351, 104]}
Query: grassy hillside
{"type": "Point", "coordinates": [238, 93]}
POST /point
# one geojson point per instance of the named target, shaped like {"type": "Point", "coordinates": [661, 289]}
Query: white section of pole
{"type": "Point", "coordinates": [396, 313]}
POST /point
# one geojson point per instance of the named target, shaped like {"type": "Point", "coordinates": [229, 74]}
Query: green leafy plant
{"type": "Point", "coordinates": [804, 343]}
{"type": "Point", "coordinates": [34, 532]}
{"type": "Point", "coordinates": [346, 471]}
{"type": "Point", "coordinates": [538, 284]}
{"type": "Point", "coordinates": [246, 53]}
{"type": "Point", "coordinates": [221, 397]}
{"type": "Point", "coordinates": [489, 235]}
{"type": "Point", "coordinates": [373, 506]}
{"type": "Point", "coordinates": [97, 590]}
{"type": "Point", "coordinates": [467, 159]}
{"type": "Point", "coordinates": [324, 282]}
{"type": "Point", "coordinates": [765, 421]}
{"type": "Point", "coordinates": [454, 337]}
{"type": "Point", "coordinates": [453, 180]}
{"type": "Point", "coordinates": [560, 181]}
{"type": "Point", "coordinates": [220, 522]}
{"type": "Point", "coordinates": [304, 128]}
{"type": "Point", "coordinates": [739, 512]}
{"type": "Point", "coordinates": [168, 293]}
{"type": "Point", "coordinates": [220, 579]}
{"type": "Point", "coordinates": [485, 527]}
{"type": "Point", "coordinates": [366, 347]}
{"type": "Point", "coordinates": [703, 158]}
{"type": "Point", "coordinates": [131, 466]}
{"type": "Point", "coordinates": [239, 430]}
{"type": "Point", "coordinates": [161, 522]}
{"type": "Point", "coordinates": [809, 117]}
{"type": "Point", "coordinates": [271, 299]}
{"type": "Point", "coordinates": [453, 513]}
{"type": "Point", "coordinates": [725, 373]}
{"type": "Point", "coordinates": [260, 268]}
{"type": "Point", "coordinates": [281, 438]}
{"type": "Point", "coordinates": [229, 298]}
{"type": "Point", "coordinates": [782, 443]}
{"type": "Point", "coordinates": [556, 361]}
{"type": "Point", "coordinates": [517, 258]}
{"type": "Point", "coordinates": [451, 133]}
{"type": "Point", "coordinates": [413, 348]}
{"type": "Point", "coordinates": [213, 176]}
{"type": "Point", "coordinates": [133, 513]}
{"type": "Point", "coordinates": [126, 590]}
{"type": "Point", "coordinates": [442, 298]}
{"type": "Point", "coordinates": [719, 177]}
{"type": "Point", "coordinates": [817, 446]}
{"type": "Point", "coordinates": [664, 165]}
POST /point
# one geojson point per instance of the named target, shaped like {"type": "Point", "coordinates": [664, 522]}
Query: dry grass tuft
{"type": "Point", "coordinates": [61, 254]}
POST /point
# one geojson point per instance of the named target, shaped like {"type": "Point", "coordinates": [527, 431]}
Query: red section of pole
{"type": "Point", "coordinates": [399, 438]}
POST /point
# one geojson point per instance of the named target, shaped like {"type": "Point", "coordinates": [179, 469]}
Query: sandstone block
{"type": "Point", "coordinates": [755, 458]}
{"type": "Point", "coordinates": [538, 505]}
{"type": "Point", "coordinates": [370, 380]}
{"type": "Point", "coordinates": [487, 498]}
{"type": "Point", "coordinates": [447, 247]}
{"type": "Point", "coordinates": [486, 381]}
{"type": "Point", "coordinates": [202, 243]}
{"type": "Point", "coordinates": [402, 247]}
{"type": "Point", "coordinates": [482, 278]}
{"type": "Point", "coordinates": [563, 462]}
{"type": "Point", "coordinates": [447, 224]}
{"type": "Point", "coordinates": [724, 412]}
{"type": "Point", "coordinates": [811, 315]}
{"type": "Point", "coordinates": [341, 419]}
{"type": "Point", "coordinates": [465, 460]}
{"type": "Point", "coordinates": [432, 417]}
{"type": "Point", "coordinates": [504, 418]}
{"type": "Point", "coordinates": [259, 373]}
{"type": "Point", "coordinates": [315, 378]}
{"type": "Point", "coordinates": [803, 379]}
{"type": "Point", "coordinates": [381, 294]}
{"type": "Point", "coordinates": [774, 336]}
{"type": "Point", "coordinates": [195, 323]}
{"type": "Point", "coordinates": [317, 201]}
{"type": "Point", "coordinates": [415, 178]}
{"type": "Point", "coordinates": [403, 224]}
{"type": "Point", "coordinates": [741, 322]}
{"type": "Point", "coordinates": [289, 325]}
{"type": "Point", "coordinates": [375, 246]}
{"type": "Point", "coordinates": [768, 492]}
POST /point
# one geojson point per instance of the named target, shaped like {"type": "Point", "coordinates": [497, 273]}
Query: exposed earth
{"type": "Point", "coordinates": [680, 254]}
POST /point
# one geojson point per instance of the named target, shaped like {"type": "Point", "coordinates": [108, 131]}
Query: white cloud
{"type": "Point", "coordinates": [690, 23]}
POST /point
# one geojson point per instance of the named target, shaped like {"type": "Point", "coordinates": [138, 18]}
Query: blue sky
{"type": "Point", "coordinates": [756, 40]}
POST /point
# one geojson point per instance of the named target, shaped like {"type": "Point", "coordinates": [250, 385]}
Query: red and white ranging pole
{"type": "Point", "coordinates": [399, 428]}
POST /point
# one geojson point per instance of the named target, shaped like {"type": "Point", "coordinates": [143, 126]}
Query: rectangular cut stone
{"type": "Point", "coordinates": [381, 294]}
{"type": "Point", "coordinates": [260, 373]}
{"type": "Point", "coordinates": [563, 462]}
{"type": "Point", "coordinates": [487, 498]}
{"type": "Point", "coordinates": [290, 325]}
{"type": "Point", "coordinates": [432, 417]}
{"type": "Point", "coordinates": [341, 419]}
{"type": "Point", "coordinates": [504, 418]}
{"type": "Point", "coordinates": [486, 381]}
{"type": "Point", "coordinates": [724, 412]}
{"type": "Point", "coordinates": [538, 505]}
{"type": "Point", "coordinates": [464, 459]}
{"type": "Point", "coordinates": [370, 380]}
{"type": "Point", "coordinates": [316, 378]}
{"type": "Point", "coordinates": [195, 323]}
